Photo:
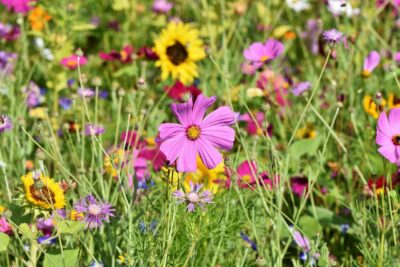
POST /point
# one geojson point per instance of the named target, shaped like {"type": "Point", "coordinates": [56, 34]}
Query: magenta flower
{"type": "Point", "coordinates": [5, 227]}
{"type": "Point", "coordinates": [194, 197]}
{"type": "Point", "coordinates": [254, 127]}
{"type": "Point", "coordinates": [19, 6]}
{"type": "Point", "coordinates": [95, 212]}
{"type": "Point", "coordinates": [397, 57]}
{"type": "Point", "coordinates": [162, 6]}
{"type": "Point", "coordinates": [299, 185]}
{"type": "Point", "coordinates": [247, 173]}
{"type": "Point", "coordinates": [71, 62]}
{"type": "Point", "coordinates": [179, 90]}
{"type": "Point", "coordinates": [260, 53]}
{"type": "Point", "coordinates": [388, 135]}
{"type": "Point", "coordinates": [370, 63]}
{"type": "Point", "coordinates": [333, 36]}
{"type": "Point", "coordinates": [5, 123]}
{"type": "Point", "coordinates": [197, 136]}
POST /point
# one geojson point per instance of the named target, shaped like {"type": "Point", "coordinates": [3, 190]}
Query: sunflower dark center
{"type": "Point", "coordinates": [396, 140]}
{"type": "Point", "coordinates": [44, 194]}
{"type": "Point", "coordinates": [177, 53]}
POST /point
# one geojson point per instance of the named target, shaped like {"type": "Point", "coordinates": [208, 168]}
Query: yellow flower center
{"type": "Point", "coordinates": [264, 58]}
{"type": "Point", "coordinates": [177, 53]}
{"type": "Point", "coordinates": [366, 73]}
{"type": "Point", "coordinates": [193, 132]}
{"type": "Point", "coordinates": [124, 55]}
{"type": "Point", "coordinates": [71, 63]}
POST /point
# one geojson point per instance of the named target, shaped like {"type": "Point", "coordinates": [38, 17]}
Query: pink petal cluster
{"type": "Point", "coordinates": [71, 62]}
{"type": "Point", "coordinates": [195, 135]}
{"type": "Point", "coordinates": [370, 63]}
{"type": "Point", "coordinates": [388, 135]}
{"type": "Point", "coordinates": [254, 127]}
{"type": "Point", "coordinates": [248, 176]}
{"type": "Point", "coordinates": [19, 6]}
{"type": "Point", "coordinates": [259, 53]}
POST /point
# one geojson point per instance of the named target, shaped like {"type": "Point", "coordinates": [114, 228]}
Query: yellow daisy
{"type": "Point", "coordinates": [178, 48]}
{"type": "Point", "coordinates": [371, 107]}
{"type": "Point", "coordinates": [307, 132]}
{"type": "Point", "coordinates": [45, 192]}
{"type": "Point", "coordinates": [213, 180]}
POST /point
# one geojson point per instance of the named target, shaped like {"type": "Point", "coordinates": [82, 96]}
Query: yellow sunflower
{"type": "Point", "coordinates": [44, 193]}
{"type": "Point", "coordinates": [178, 48]}
{"type": "Point", "coordinates": [307, 132]}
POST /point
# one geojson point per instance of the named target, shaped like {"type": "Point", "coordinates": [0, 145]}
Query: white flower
{"type": "Point", "coordinates": [39, 42]}
{"type": "Point", "coordinates": [2, 165]}
{"type": "Point", "coordinates": [340, 7]}
{"type": "Point", "coordinates": [298, 5]}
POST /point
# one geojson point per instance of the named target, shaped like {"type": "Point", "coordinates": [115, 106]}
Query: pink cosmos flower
{"type": "Point", "coordinates": [162, 6]}
{"type": "Point", "coordinates": [71, 62]}
{"type": "Point", "coordinates": [370, 63]}
{"type": "Point", "coordinates": [388, 135]}
{"type": "Point", "coordinates": [19, 6]}
{"type": "Point", "coordinates": [260, 53]}
{"type": "Point", "coordinates": [197, 136]}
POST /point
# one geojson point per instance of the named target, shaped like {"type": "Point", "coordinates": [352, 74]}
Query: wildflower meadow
{"type": "Point", "coordinates": [199, 133]}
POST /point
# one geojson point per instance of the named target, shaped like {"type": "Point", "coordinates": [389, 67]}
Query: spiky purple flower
{"type": "Point", "coordinates": [193, 198]}
{"type": "Point", "coordinates": [95, 212]}
{"type": "Point", "coordinates": [300, 88]}
{"type": "Point", "coordinates": [94, 129]}
{"type": "Point", "coordinates": [333, 36]}
{"type": "Point", "coordinates": [5, 123]}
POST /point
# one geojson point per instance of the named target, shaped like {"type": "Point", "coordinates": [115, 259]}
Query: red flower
{"type": "Point", "coordinates": [178, 90]}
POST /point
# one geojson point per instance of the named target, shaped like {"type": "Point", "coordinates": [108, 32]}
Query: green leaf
{"type": "Point", "coordinates": [70, 227]}
{"type": "Point", "coordinates": [69, 258]}
{"type": "Point", "coordinates": [83, 27]}
{"type": "Point", "coordinates": [309, 225]}
{"type": "Point", "coordinates": [26, 231]}
{"type": "Point", "coordinates": [4, 240]}
{"type": "Point", "coordinates": [305, 146]}
{"type": "Point", "coordinates": [18, 216]}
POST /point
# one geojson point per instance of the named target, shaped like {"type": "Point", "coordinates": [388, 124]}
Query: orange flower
{"type": "Point", "coordinates": [38, 17]}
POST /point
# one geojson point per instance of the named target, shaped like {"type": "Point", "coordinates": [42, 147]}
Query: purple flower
{"type": "Point", "coordinates": [65, 103]}
{"type": "Point", "coordinates": [162, 6]}
{"type": "Point", "coordinates": [197, 136]}
{"type": "Point", "coordinates": [86, 92]}
{"type": "Point", "coordinates": [300, 88]}
{"type": "Point", "coordinates": [248, 241]}
{"type": "Point", "coordinates": [388, 135]}
{"type": "Point", "coordinates": [9, 32]}
{"type": "Point", "coordinates": [260, 53]}
{"type": "Point", "coordinates": [193, 197]}
{"type": "Point", "coordinates": [301, 241]}
{"type": "Point", "coordinates": [33, 95]}
{"type": "Point", "coordinates": [19, 6]}
{"type": "Point", "coordinates": [91, 128]}
{"type": "Point", "coordinates": [333, 36]}
{"type": "Point", "coordinates": [397, 57]}
{"type": "Point", "coordinates": [370, 63]}
{"type": "Point", "coordinates": [5, 123]}
{"type": "Point", "coordinates": [6, 62]}
{"type": "Point", "coordinates": [95, 212]}
{"type": "Point", "coordinates": [312, 33]}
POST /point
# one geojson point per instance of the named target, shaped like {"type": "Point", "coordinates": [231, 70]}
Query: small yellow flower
{"type": "Point", "coordinates": [38, 17]}
{"type": "Point", "coordinates": [44, 193]}
{"type": "Point", "coordinates": [178, 48]}
{"type": "Point", "coordinates": [307, 132]}
{"type": "Point", "coordinates": [213, 180]}
{"type": "Point", "coordinates": [2, 209]}
{"type": "Point", "coordinates": [393, 101]}
{"type": "Point", "coordinates": [76, 216]}
{"type": "Point", "coordinates": [38, 113]}
{"type": "Point", "coordinates": [371, 108]}
{"type": "Point", "coordinates": [112, 161]}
